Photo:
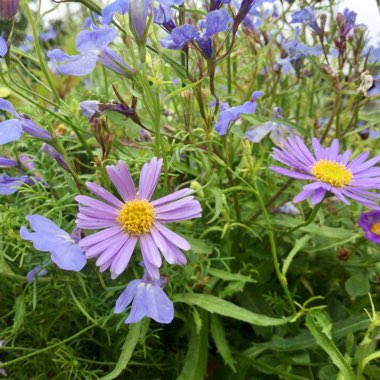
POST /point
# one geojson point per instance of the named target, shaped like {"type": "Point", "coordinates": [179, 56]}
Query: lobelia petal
{"type": "Point", "coordinates": [69, 257]}
{"type": "Point", "coordinates": [41, 224]}
{"type": "Point", "coordinates": [139, 305]}
{"type": "Point", "coordinates": [94, 40]}
{"type": "Point", "coordinates": [6, 105]}
{"type": "Point", "coordinates": [42, 241]}
{"type": "Point", "coordinates": [31, 128]}
{"type": "Point", "coordinates": [160, 308]}
{"type": "Point", "coordinates": [77, 65]}
{"type": "Point", "coordinates": [118, 6]}
{"type": "Point", "coordinates": [126, 296]}
{"type": "Point", "coordinates": [10, 130]}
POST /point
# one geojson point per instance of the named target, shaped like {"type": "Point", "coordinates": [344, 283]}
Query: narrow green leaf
{"type": "Point", "coordinates": [196, 357]}
{"type": "Point", "coordinates": [218, 195]}
{"type": "Point", "coordinates": [181, 89]}
{"type": "Point", "coordinates": [20, 311]}
{"type": "Point", "coordinates": [126, 352]}
{"type": "Point", "coordinates": [228, 276]}
{"type": "Point", "coordinates": [314, 320]}
{"type": "Point", "coordinates": [300, 243]}
{"type": "Point", "coordinates": [219, 337]}
{"type": "Point", "coordinates": [219, 306]}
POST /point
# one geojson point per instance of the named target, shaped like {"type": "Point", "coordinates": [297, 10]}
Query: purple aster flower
{"type": "Point", "coordinates": [330, 172]}
{"type": "Point", "coordinates": [9, 185]}
{"type": "Point", "coordinates": [370, 223]}
{"type": "Point", "coordinates": [53, 153]}
{"type": "Point", "coordinates": [230, 115]}
{"type": "Point", "coordinates": [8, 8]}
{"type": "Point", "coordinates": [93, 47]}
{"type": "Point", "coordinates": [11, 130]}
{"type": "Point", "coordinates": [148, 300]}
{"type": "Point", "coordinates": [48, 237]}
{"type": "Point", "coordinates": [305, 16]}
{"type": "Point", "coordinates": [134, 218]}
{"type": "Point", "coordinates": [35, 273]}
{"type": "Point", "coordinates": [278, 132]}
{"type": "Point", "coordinates": [3, 47]}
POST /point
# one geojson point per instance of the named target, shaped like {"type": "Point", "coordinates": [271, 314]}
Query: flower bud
{"type": "Point", "coordinates": [139, 11]}
{"type": "Point", "coordinates": [8, 8]}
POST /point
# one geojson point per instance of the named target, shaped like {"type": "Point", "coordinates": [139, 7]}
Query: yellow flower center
{"type": "Point", "coordinates": [136, 217]}
{"type": "Point", "coordinates": [376, 228]}
{"type": "Point", "coordinates": [332, 172]}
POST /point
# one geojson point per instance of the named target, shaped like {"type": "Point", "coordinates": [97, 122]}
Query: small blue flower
{"type": "Point", "coordinates": [305, 16]}
{"type": "Point", "coordinates": [139, 11]}
{"type": "Point", "coordinates": [48, 237]}
{"type": "Point", "coordinates": [230, 115]}
{"type": "Point", "coordinates": [279, 133]}
{"type": "Point", "coordinates": [118, 6]}
{"type": "Point", "coordinates": [35, 273]}
{"type": "Point", "coordinates": [9, 185]}
{"type": "Point", "coordinates": [49, 34]}
{"type": "Point", "coordinates": [179, 37]}
{"type": "Point", "coordinates": [148, 300]}
{"type": "Point", "coordinates": [11, 130]}
{"type": "Point", "coordinates": [89, 108]}
{"type": "Point", "coordinates": [3, 47]}
{"type": "Point", "coordinates": [53, 153]}
{"type": "Point", "coordinates": [7, 162]}
{"type": "Point", "coordinates": [93, 47]}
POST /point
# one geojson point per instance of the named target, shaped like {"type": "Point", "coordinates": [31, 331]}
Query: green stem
{"type": "Point", "coordinates": [309, 219]}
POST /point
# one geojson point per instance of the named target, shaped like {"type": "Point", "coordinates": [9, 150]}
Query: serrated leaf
{"type": "Point", "coordinates": [20, 311]}
{"type": "Point", "coordinates": [218, 195]}
{"type": "Point", "coordinates": [228, 276]}
{"type": "Point", "coordinates": [219, 337]}
{"type": "Point", "coordinates": [315, 319]}
{"type": "Point", "coordinates": [196, 357]}
{"type": "Point", "coordinates": [219, 306]}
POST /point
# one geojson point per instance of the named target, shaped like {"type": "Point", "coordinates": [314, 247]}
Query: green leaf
{"type": "Point", "coordinates": [219, 196]}
{"type": "Point", "coordinates": [219, 306]}
{"type": "Point", "coordinates": [20, 311]}
{"type": "Point", "coordinates": [197, 354]}
{"type": "Point", "coordinates": [314, 320]}
{"type": "Point", "coordinates": [300, 243]}
{"type": "Point", "coordinates": [219, 337]}
{"type": "Point", "coordinates": [357, 285]}
{"type": "Point", "coordinates": [126, 352]}
{"type": "Point", "coordinates": [228, 276]}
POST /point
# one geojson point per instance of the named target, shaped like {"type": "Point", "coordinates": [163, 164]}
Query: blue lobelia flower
{"type": "Point", "coordinates": [118, 6]}
{"type": "Point", "coordinates": [35, 273]}
{"type": "Point", "coordinates": [278, 132]}
{"type": "Point", "coordinates": [139, 11]}
{"type": "Point", "coordinates": [9, 185]}
{"type": "Point", "coordinates": [7, 162]}
{"type": "Point", "coordinates": [11, 130]}
{"type": "Point", "coordinates": [295, 50]}
{"type": "Point", "coordinates": [53, 153]}
{"type": "Point", "coordinates": [230, 115]}
{"type": "Point", "coordinates": [163, 15]}
{"type": "Point", "coordinates": [3, 47]}
{"type": "Point", "coordinates": [305, 16]}
{"type": "Point", "coordinates": [93, 47]}
{"type": "Point", "coordinates": [180, 36]}
{"type": "Point", "coordinates": [148, 300]}
{"type": "Point", "coordinates": [49, 34]}
{"type": "Point", "coordinates": [48, 237]}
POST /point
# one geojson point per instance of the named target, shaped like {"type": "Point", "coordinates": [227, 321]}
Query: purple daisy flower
{"type": "Point", "coordinates": [134, 218]}
{"type": "Point", "coordinates": [370, 223]}
{"type": "Point", "coordinates": [330, 172]}
{"type": "Point", "coordinates": [149, 300]}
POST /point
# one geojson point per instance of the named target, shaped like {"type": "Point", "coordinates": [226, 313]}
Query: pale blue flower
{"type": "Point", "coordinates": [48, 237]}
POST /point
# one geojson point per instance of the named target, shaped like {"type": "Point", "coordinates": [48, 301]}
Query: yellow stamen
{"type": "Point", "coordinates": [332, 172]}
{"type": "Point", "coordinates": [376, 228]}
{"type": "Point", "coordinates": [136, 217]}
